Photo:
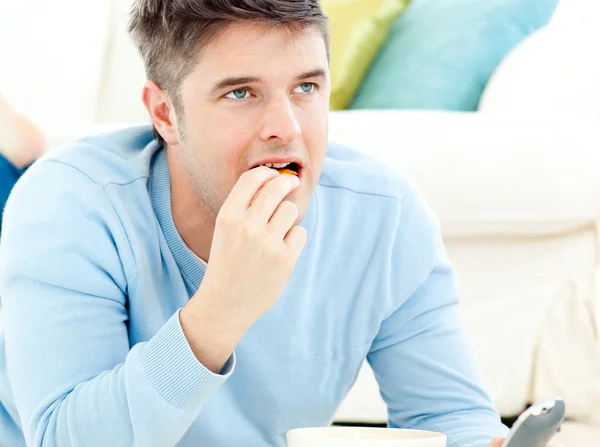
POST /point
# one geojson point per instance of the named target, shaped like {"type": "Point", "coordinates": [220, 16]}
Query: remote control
{"type": "Point", "coordinates": [537, 425]}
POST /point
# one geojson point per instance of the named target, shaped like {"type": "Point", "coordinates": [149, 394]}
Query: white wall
{"type": "Point", "coordinates": [120, 99]}
{"type": "Point", "coordinates": [52, 58]}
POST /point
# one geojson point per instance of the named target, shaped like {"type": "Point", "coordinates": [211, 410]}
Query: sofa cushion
{"type": "Point", "coordinates": [440, 54]}
{"type": "Point", "coordinates": [550, 71]}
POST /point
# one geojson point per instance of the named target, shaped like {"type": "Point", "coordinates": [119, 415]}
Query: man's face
{"type": "Point", "coordinates": [258, 95]}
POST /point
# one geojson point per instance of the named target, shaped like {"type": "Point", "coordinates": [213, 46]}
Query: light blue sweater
{"type": "Point", "coordinates": [93, 273]}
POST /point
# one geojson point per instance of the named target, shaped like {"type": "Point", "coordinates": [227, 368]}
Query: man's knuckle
{"type": "Point", "coordinates": [294, 211]}
{"type": "Point", "coordinates": [250, 230]}
{"type": "Point", "coordinates": [267, 249]}
{"type": "Point", "coordinates": [289, 208]}
{"type": "Point", "coordinates": [224, 219]}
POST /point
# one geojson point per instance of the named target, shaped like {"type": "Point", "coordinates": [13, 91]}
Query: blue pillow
{"type": "Point", "coordinates": [440, 54]}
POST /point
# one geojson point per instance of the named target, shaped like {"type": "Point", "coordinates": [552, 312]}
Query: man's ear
{"type": "Point", "coordinates": [161, 111]}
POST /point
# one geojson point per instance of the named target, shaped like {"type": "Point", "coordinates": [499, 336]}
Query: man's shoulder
{"type": "Point", "coordinates": [383, 214]}
{"type": "Point", "coordinates": [118, 157]}
{"type": "Point", "coordinates": [358, 184]}
{"type": "Point", "coordinates": [355, 171]}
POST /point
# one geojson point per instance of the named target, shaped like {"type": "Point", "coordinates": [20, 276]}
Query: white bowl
{"type": "Point", "coordinates": [363, 437]}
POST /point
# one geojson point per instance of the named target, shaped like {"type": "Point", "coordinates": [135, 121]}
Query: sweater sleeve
{"type": "Point", "coordinates": [75, 378]}
{"type": "Point", "coordinates": [421, 356]}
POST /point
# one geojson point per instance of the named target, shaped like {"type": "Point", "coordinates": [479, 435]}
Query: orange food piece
{"type": "Point", "coordinates": [288, 171]}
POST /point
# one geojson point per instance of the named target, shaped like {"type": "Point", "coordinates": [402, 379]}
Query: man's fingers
{"type": "Point", "coordinates": [296, 239]}
{"type": "Point", "coordinates": [270, 197]}
{"type": "Point", "coordinates": [246, 188]}
{"type": "Point", "coordinates": [283, 219]}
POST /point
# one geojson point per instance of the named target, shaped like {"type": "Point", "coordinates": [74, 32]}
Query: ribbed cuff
{"type": "Point", "coordinates": [175, 371]}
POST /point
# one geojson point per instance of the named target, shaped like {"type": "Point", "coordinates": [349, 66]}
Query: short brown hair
{"type": "Point", "coordinates": [169, 34]}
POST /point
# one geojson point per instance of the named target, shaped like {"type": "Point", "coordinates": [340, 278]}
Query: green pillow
{"type": "Point", "coordinates": [440, 54]}
{"type": "Point", "coordinates": [358, 29]}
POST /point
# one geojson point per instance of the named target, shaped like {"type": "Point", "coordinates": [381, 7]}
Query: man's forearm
{"type": "Point", "coordinates": [212, 332]}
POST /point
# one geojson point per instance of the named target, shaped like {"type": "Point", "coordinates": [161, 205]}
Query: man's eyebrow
{"type": "Point", "coordinates": [240, 80]}
{"type": "Point", "coordinates": [316, 73]}
{"type": "Point", "coordinates": [234, 81]}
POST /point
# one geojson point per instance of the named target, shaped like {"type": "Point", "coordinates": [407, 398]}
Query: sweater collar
{"type": "Point", "coordinates": [189, 264]}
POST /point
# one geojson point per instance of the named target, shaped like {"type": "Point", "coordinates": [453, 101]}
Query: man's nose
{"type": "Point", "coordinates": [280, 122]}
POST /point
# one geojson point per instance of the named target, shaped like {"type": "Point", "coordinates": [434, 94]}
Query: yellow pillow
{"type": "Point", "coordinates": [358, 29]}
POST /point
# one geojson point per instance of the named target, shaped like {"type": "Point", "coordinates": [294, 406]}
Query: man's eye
{"type": "Point", "coordinates": [306, 87]}
{"type": "Point", "coordinates": [239, 93]}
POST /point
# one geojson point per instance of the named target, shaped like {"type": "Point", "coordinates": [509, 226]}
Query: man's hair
{"type": "Point", "coordinates": [170, 34]}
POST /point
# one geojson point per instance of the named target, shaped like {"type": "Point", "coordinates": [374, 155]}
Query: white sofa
{"type": "Point", "coordinates": [517, 194]}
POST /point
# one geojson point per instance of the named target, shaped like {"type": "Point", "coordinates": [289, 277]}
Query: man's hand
{"type": "Point", "coordinates": [254, 251]}
{"type": "Point", "coordinates": [498, 443]}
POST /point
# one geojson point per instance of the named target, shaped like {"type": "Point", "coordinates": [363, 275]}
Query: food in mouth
{"type": "Point", "coordinates": [284, 168]}
{"type": "Point", "coordinates": [288, 171]}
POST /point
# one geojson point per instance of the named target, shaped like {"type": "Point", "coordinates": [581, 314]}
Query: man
{"type": "Point", "coordinates": [176, 291]}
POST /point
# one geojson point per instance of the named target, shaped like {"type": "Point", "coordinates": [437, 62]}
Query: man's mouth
{"type": "Point", "coordinates": [285, 168]}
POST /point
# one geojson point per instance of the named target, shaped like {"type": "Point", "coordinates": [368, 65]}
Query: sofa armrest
{"type": "Point", "coordinates": [487, 173]}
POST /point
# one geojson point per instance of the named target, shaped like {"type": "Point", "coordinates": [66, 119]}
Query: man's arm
{"type": "Point", "coordinates": [75, 378]}
{"type": "Point", "coordinates": [420, 356]}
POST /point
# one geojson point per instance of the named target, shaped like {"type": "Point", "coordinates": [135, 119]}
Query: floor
{"type": "Point", "coordinates": [577, 435]}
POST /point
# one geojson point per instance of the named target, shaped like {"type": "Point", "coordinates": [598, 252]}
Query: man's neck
{"type": "Point", "coordinates": [193, 221]}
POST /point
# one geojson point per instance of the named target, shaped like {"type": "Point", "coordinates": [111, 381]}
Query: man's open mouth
{"type": "Point", "coordinates": [285, 168]}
